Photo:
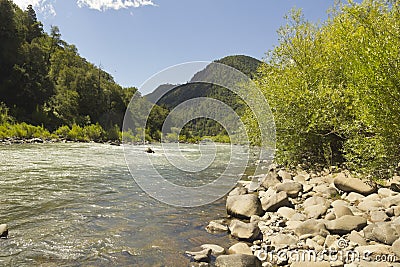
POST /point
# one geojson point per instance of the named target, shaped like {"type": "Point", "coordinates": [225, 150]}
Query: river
{"type": "Point", "coordinates": [76, 204]}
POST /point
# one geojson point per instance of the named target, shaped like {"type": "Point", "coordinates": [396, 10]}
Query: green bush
{"type": "Point", "coordinates": [62, 131]}
{"type": "Point", "coordinates": [77, 133]}
{"type": "Point", "coordinates": [333, 88]}
{"type": "Point", "coordinates": [94, 132]}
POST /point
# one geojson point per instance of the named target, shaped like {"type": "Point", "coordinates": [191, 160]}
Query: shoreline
{"type": "Point", "coordinates": [38, 140]}
{"type": "Point", "coordinates": [307, 218]}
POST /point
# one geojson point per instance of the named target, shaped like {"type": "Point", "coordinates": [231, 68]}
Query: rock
{"type": "Point", "coordinates": [313, 245]}
{"type": "Point", "coordinates": [396, 247]}
{"type": "Point", "coordinates": [237, 260]}
{"type": "Point", "coordinates": [300, 179]}
{"type": "Point", "coordinates": [281, 240]}
{"type": "Point", "coordinates": [255, 184]}
{"type": "Point", "coordinates": [243, 206]}
{"type": "Point", "coordinates": [199, 264]}
{"type": "Point", "coordinates": [356, 238]}
{"type": "Point", "coordinates": [346, 224]}
{"type": "Point", "coordinates": [149, 150]}
{"type": "Point", "coordinates": [396, 211]}
{"type": "Point", "coordinates": [315, 211]}
{"type": "Point", "coordinates": [389, 212]}
{"type": "Point", "coordinates": [395, 187]}
{"type": "Point", "coordinates": [276, 201]}
{"type": "Point", "coordinates": [354, 197]}
{"type": "Point", "coordinates": [201, 256]}
{"type": "Point", "coordinates": [312, 226]}
{"type": "Point", "coordinates": [341, 211]}
{"type": "Point", "coordinates": [270, 180]}
{"type": "Point", "coordinates": [255, 218]}
{"type": "Point", "coordinates": [391, 201]}
{"type": "Point", "coordinates": [240, 190]}
{"type": "Point", "coordinates": [378, 216]}
{"type": "Point", "coordinates": [325, 190]}
{"type": "Point", "coordinates": [215, 249]}
{"type": "Point", "coordinates": [298, 217]}
{"type": "Point", "coordinates": [242, 230]}
{"type": "Point", "coordinates": [3, 230]}
{"type": "Point", "coordinates": [348, 184]}
{"type": "Point", "coordinates": [240, 248]}
{"type": "Point", "coordinates": [292, 189]}
{"type": "Point", "coordinates": [330, 216]}
{"type": "Point", "coordinates": [316, 200]}
{"type": "Point", "coordinates": [340, 202]}
{"type": "Point", "coordinates": [216, 226]}
{"type": "Point", "coordinates": [331, 242]}
{"type": "Point", "coordinates": [385, 192]}
{"type": "Point", "coordinates": [269, 193]}
{"type": "Point", "coordinates": [370, 205]}
{"type": "Point", "coordinates": [381, 232]}
{"type": "Point", "coordinates": [286, 212]}
{"type": "Point", "coordinates": [284, 175]}
{"type": "Point", "coordinates": [307, 188]}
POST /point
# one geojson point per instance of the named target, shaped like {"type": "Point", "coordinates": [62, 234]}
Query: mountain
{"type": "Point", "coordinates": [159, 91]}
{"type": "Point", "coordinates": [181, 93]}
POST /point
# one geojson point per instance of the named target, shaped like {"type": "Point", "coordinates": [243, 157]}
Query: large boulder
{"type": "Point", "coordinates": [3, 230]}
{"type": "Point", "coordinates": [383, 232]}
{"type": "Point", "coordinates": [274, 202]}
{"type": "Point", "coordinates": [245, 231]}
{"type": "Point", "coordinates": [243, 206]}
{"type": "Point", "coordinates": [237, 260]}
{"type": "Point", "coordinates": [292, 189]}
{"type": "Point", "coordinates": [346, 224]}
{"type": "Point", "coordinates": [270, 180]}
{"type": "Point", "coordinates": [348, 184]}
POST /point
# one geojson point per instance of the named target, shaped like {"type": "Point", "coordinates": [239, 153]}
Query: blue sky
{"type": "Point", "coordinates": [135, 39]}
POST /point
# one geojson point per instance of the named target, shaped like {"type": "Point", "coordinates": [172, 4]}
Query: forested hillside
{"type": "Point", "coordinates": [44, 81]}
{"type": "Point", "coordinates": [201, 127]}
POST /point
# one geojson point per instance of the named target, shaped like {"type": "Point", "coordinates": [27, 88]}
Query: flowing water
{"type": "Point", "coordinates": [76, 204]}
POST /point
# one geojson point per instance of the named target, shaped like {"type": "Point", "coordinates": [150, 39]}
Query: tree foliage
{"type": "Point", "coordinates": [334, 88]}
{"type": "Point", "coordinates": [44, 80]}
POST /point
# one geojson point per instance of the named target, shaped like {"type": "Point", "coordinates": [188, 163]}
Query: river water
{"type": "Point", "coordinates": [76, 204]}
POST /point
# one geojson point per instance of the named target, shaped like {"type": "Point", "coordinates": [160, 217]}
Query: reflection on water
{"type": "Point", "coordinates": [76, 204]}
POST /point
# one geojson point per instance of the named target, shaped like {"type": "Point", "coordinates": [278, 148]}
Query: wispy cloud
{"type": "Point", "coordinates": [103, 5]}
{"type": "Point", "coordinates": [46, 6]}
{"type": "Point", "coordinates": [43, 6]}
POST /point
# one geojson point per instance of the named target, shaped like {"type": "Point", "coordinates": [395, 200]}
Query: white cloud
{"type": "Point", "coordinates": [103, 5]}
{"type": "Point", "coordinates": [43, 6]}
{"type": "Point", "coordinates": [46, 7]}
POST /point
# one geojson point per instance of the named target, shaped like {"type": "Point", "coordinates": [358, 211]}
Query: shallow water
{"type": "Point", "coordinates": [77, 204]}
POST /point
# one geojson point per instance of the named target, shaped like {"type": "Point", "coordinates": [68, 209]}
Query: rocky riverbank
{"type": "Point", "coordinates": [10, 141]}
{"type": "Point", "coordinates": [304, 218]}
